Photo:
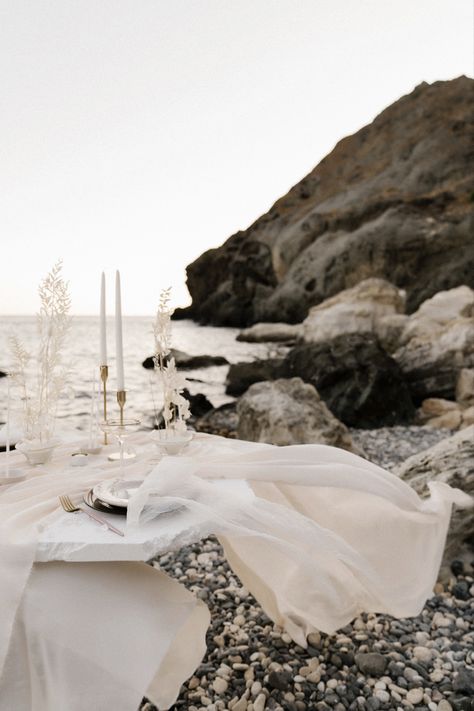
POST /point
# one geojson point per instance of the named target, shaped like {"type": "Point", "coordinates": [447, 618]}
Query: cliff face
{"type": "Point", "coordinates": [394, 200]}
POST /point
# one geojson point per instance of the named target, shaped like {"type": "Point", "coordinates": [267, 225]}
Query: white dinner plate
{"type": "Point", "coordinates": [116, 491]}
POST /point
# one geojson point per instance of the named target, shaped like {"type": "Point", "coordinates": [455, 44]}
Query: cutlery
{"type": "Point", "coordinates": [68, 506]}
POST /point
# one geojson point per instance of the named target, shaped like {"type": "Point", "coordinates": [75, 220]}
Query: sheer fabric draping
{"type": "Point", "coordinates": [317, 534]}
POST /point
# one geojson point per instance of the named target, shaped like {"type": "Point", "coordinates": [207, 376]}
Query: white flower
{"type": "Point", "coordinates": [175, 407]}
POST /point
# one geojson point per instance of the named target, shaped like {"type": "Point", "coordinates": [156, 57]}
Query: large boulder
{"type": "Point", "coordinates": [271, 333]}
{"type": "Point", "coordinates": [355, 310]}
{"type": "Point", "coordinates": [435, 314]}
{"type": "Point", "coordinates": [432, 359]}
{"type": "Point", "coordinates": [288, 411]}
{"type": "Point", "coordinates": [392, 201]}
{"type": "Point", "coordinates": [360, 383]}
{"type": "Point", "coordinates": [450, 461]}
{"type": "Point", "coordinates": [242, 375]}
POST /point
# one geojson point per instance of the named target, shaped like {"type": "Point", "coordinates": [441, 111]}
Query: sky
{"type": "Point", "coordinates": [135, 135]}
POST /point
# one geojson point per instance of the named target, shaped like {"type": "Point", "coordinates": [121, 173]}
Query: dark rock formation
{"type": "Point", "coordinates": [220, 421]}
{"type": "Point", "coordinates": [184, 361]}
{"type": "Point", "coordinates": [2, 374]}
{"type": "Point", "coordinates": [242, 375]}
{"type": "Point", "coordinates": [198, 403]}
{"type": "Point", "coordinates": [394, 200]}
{"type": "Point", "coordinates": [360, 383]}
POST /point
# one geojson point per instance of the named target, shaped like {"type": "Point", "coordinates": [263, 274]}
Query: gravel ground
{"type": "Point", "coordinates": [376, 662]}
{"type": "Point", "coordinates": [389, 446]}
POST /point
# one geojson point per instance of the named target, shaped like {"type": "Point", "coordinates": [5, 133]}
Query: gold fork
{"type": "Point", "coordinates": [68, 506]}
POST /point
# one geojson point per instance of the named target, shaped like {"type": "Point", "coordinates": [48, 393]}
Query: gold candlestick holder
{"type": "Point", "coordinates": [121, 399]}
{"type": "Point", "coordinates": [104, 374]}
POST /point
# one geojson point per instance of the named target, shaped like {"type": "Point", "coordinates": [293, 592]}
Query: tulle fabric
{"type": "Point", "coordinates": [316, 533]}
{"type": "Point", "coordinates": [319, 534]}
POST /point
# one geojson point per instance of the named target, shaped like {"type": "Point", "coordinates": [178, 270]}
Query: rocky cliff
{"type": "Point", "coordinates": [394, 200]}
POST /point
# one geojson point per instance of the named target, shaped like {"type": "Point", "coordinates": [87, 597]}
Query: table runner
{"type": "Point", "coordinates": [320, 535]}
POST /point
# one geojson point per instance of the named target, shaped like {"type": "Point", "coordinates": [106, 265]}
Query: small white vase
{"type": "Point", "coordinates": [37, 452]}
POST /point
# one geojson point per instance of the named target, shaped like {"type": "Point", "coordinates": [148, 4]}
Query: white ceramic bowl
{"type": "Point", "coordinates": [170, 442]}
{"type": "Point", "coordinates": [35, 452]}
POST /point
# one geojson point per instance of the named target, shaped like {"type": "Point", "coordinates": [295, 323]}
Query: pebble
{"type": "Point", "coordinates": [444, 706]}
{"type": "Point", "coordinates": [423, 654]}
{"type": "Point", "coordinates": [415, 696]}
{"type": "Point", "coordinates": [371, 663]}
{"type": "Point", "coordinates": [440, 620]}
{"type": "Point", "coordinates": [220, 685]}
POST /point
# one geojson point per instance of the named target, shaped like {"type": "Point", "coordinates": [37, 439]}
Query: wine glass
{"type": "Point", "coordinates": [120, 429]}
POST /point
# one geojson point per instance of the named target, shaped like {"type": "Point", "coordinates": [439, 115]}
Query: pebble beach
{"type": "Point", "coordinates": [377, 662]}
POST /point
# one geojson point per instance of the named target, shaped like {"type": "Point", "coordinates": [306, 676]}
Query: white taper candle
{"type": "Point", "coordinates": [118, 334]}
{"type": "Point", "coordinates": [8, 425]}
{"type": "Point", "coordinates": [103, 328]}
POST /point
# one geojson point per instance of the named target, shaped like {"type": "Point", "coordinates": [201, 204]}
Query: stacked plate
{"type": "Point", "coordinates": [112, 496]}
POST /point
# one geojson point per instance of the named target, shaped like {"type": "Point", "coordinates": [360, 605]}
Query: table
{"type": "Point", "coordinates": [315, 533]}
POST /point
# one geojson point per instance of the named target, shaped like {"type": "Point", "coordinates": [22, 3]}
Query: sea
{"type": "Point", "coordinates": [81, 356]}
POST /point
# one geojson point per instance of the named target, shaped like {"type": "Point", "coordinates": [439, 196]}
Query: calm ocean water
{"type": "Point", "coordinates": [82, 356]}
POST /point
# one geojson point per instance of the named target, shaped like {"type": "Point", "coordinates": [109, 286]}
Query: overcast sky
{"type": "Point", "coordinates": [136, 134]}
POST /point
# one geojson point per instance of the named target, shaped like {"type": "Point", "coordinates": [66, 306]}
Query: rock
{"type": "Point", "coordinates": [450, 461]}
{"type": "Point", "coordinates": [242, 375]}
{"type": "Point", "coordinates": [355, 310]}
{"type": "Point", "coordinates": [360, 383]}
{"type": "Point", "coordinates": [371, 663]}
{"type": "Point", "coordinates": [444, 705]}
{"type": "Point", "coordinates": [423, 654]}
{"type": "Point", "coordinates": [221, 420]}
{"type": "Point", "coordinates": [434, 407]}
{"type": "Point", "coordinates": [431, 360]}
{"type": "Point", "coordinates": [467, 417]}
{"type": "Point", "coordinates": [465, 387]}
{"type": "Point", "coordinates": [390, 329]}
{"type": "Point", "coordinates": [450, 420]}
{"type": "Point", "coordinates": [219, 685]}
{"type": "Point", "coordinates": [464, 681]}
{"type": "Point", "coordinates": [415, 696]}
{"type": "Point", "coordinates": [461, 591]}
{"type": "Point", "coordinates": [443, 308]}
{"type": "Point", "coordinates": [199, 404]}
{"type": "Point", "coordinates": [259, 703]}
{"type": "Point", "coordinates": [314, 639]}
{"type": "Point", "coordinates": [271, 333]}
{"type": "Point", "coordinates": [279, 680]}
{"type": "Point", "coordinates": [2, 374]}
{"type": "Point", "coordinates": [391, 201]}
{"type": "Point", "coordinates": [446, 414]}
{"type": "Point", "coordinates": [184, 361]}
{"type": "Point", "coordinates": [288, 412]}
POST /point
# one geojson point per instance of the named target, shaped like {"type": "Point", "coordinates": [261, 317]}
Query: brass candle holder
{"type": "Point", "coordinates": [121, 399]}
{"type": "Point", "coordinates": [104, 374]}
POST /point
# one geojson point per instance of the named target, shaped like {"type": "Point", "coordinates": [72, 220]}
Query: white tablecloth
{"type": "Point", "coordinates": [315, 533]}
